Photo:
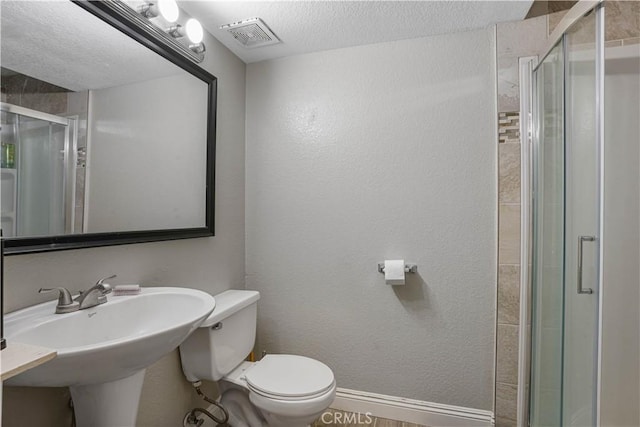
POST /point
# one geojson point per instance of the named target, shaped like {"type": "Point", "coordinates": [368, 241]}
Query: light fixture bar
{"type": "Point", "coordinates": [133, 18]}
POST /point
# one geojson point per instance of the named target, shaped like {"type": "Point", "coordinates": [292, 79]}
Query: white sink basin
{"type": "Point", "coordinates": [110, 342]}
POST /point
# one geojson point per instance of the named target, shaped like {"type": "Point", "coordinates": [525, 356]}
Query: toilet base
{"type": "Point", "coordinates": [244, 413]}
{"type": "Point", "coordinates": [274, 420]}
{"type": "Point", "coordinates": [241, 412]}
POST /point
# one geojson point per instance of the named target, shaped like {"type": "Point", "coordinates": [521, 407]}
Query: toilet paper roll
{"type": "Point", "coordinates": [394, 272]}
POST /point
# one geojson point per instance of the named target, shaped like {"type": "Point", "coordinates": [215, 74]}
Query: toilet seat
{"type": "Point", "coordinates": [289, 377]}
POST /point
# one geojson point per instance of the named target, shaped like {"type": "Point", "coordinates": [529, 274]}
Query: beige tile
{"type": "Point", "coordinates": [505, 422]}
{"type": "Point", "coordinates": [635, 40]}
{"type": "Point", "coordinates": [613, 43]}
{"type": "Point", "coordinates": [553, 21]}
{"type": "Point", "coordinates": [508, 86]}
{"type": "Point", "coordinates": [506, 401]}
{"type": "Point", "coordinates": [582, 35]}
{"type": "Point", "coordinates": [509, 234]}
{"type": "Point", "coordinates": [507, 354]}
{"type": "Point", "coordinates": [509, 173]}
{"type": "Point", "coordinates": [521, 38]}
{"type": "Point", "coordinates": [622, 20]}
{"type": "Point", "coordinates": [508, 294]}
{"type": "Point", "coordinates": [514, 40]}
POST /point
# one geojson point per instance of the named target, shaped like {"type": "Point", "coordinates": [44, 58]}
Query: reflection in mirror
{"type": "Point", "coordinates": [100, 134]}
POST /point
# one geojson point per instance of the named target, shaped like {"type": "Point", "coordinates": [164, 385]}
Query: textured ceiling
{"type": "Point", "coordinates": [62, 44]}
{"type": "Point", "coordinates": [311, 26]}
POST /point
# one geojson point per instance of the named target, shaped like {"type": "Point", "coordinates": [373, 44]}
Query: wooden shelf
{"type": "Point", "coordinates": [18, 357]}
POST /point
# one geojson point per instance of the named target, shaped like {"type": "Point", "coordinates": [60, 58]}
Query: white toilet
{"type": "Point", "coordinates": [279, 390]}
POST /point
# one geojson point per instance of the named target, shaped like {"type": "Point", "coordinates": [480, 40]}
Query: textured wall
{"type": "Point", "coordinates": [369, 153]}
{"type": "Point", "coordinates": [135, 129]}
{"type": "Point", "coordinates": [211, 264]}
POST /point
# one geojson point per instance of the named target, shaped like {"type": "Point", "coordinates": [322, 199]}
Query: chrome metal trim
{"type": "Point", "coordinates": [526, 65]}
{"type": "Point", "coordinates": [581, 240]}
{"type": "Point", "coordinates": [408, 268]}
{"type": "Point", "coordinates": [70, 168]}
{"type": "Point", "coordinates": [34, 114]}
{"type": "Point", "coordinates": [600, 141]}
{"type": "Point", "coordinates": [573, 15]}
{"type": "Point", "coordinates": [132, 16]}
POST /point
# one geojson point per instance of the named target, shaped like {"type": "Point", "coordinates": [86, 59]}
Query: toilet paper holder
{"type": "Point", "coordinates": [408, 268]}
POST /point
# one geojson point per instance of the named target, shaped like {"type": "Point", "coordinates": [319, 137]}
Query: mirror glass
{"type": "Point", "coordinates": [100, 134]}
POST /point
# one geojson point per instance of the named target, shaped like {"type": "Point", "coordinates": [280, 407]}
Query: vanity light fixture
{"type": "Point", "coordinates": [168, 9]}
{"type": "Point", "coordinates": [194, 33]}
{"type": "Point", "coordinates": [176, 31]}
{"type": "Point", "coordinates": [140, 19]}
{"type": "Point", "coordinates": [194, 30]}
{"type": "Point", "coordinates": [197, 48]}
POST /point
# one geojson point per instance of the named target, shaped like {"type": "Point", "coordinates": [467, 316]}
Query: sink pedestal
{"type": "Point", "coordinates": [108, 404]}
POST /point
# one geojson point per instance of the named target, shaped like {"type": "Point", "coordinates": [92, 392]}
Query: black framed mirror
{"type": "Point", "coordinates": [115, 142]}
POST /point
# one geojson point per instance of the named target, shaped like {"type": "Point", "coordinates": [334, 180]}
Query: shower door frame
{"type": "Point", "coordinates": [527, 67]}
{"type": "Point", "coordinates": [70, 155]}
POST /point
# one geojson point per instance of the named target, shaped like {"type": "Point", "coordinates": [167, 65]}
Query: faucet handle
{"type": "Point", "coordinates": [63, 299]}
{"type": "Point", "coordinates": [66, 304]}
{"type": "Point", "coordinates": [106, 288]}
{"type": "Point", "coordinates": [99, 282]}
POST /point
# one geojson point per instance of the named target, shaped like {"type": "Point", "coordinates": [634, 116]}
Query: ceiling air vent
{"type": "Point", "coordinates": [251, 33]}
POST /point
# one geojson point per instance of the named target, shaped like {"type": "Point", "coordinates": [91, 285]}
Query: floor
{"type": "Point", "coordinates": [333, 417]}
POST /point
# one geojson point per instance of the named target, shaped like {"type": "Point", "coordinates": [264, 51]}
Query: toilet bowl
{"type": "Point", "coordinates": [281, 390]}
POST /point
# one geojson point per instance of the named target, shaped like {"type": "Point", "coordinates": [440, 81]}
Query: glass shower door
{"type": "Point", "coordinates": [41, 177]}
{"type": "Point", "coordinates": [581, 225]}
{"type": "Point", "coordinates": [566, 228]}
{"type": "Point", "coordinates": [548, 242]}
{"type": "Point", "coordinates": [37, 172]}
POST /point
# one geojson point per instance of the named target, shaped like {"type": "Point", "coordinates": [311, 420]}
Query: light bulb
{"type": "Point", "coordinates": [194, 31]}
{"type": "Point", "coordinates": [169, 10]}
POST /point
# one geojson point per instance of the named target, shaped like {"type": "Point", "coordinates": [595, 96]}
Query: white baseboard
{"type": "Point", "coordinates": [411, 411]}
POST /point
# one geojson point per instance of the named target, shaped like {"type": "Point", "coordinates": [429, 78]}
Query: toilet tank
{"type": "Point", "coordinates": [225, 338]}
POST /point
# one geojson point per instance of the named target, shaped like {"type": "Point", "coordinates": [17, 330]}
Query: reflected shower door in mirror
{"type": "Point", "coordinates": [36, 173]}
{"type": "Point", "coordinates": [102, 132]}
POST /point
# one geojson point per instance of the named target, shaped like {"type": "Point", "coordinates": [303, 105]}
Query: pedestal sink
{"type": "Point", "coordinates": [103, 351]}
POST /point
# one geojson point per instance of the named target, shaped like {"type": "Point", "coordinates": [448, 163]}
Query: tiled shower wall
{"type": "Point", "coordinates": [515, 40]}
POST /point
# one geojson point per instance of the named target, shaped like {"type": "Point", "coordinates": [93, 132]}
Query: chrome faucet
{"type": "Point", "coordinates": [65, 303]}
{"type": "Point", "coordinates": [97, 294]}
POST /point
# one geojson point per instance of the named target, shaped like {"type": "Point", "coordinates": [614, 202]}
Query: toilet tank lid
{"type": "Point", "coordinates": [230, 302]}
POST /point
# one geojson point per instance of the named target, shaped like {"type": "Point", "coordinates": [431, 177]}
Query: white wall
{"type": "Point", "coordinates": [151, 151]}
{"type": "Point", "coordinates": [211, 264]}
{"type": "Point", "coordinates": [620, 392]}
{"type": "Point", "coordinates": [369, 153]}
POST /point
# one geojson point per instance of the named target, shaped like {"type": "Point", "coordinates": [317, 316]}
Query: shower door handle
{"type": "Point", "coordinates": [581, 240]}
